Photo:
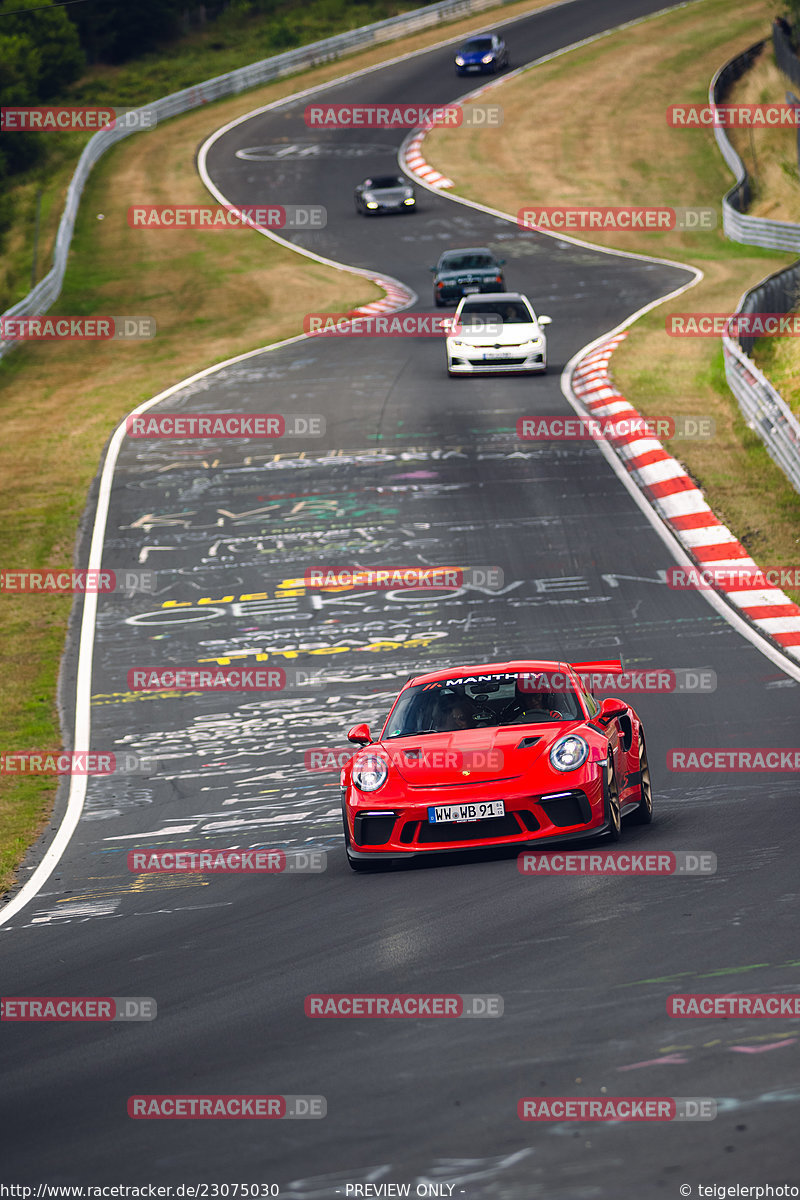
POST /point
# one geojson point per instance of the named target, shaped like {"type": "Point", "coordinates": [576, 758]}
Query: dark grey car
{"type": "Point", "coordinates": [464, 272]}
{"type": "Point", "coordinates": [385, 193]}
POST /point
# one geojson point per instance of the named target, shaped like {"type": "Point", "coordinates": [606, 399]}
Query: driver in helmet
{"type": "Point", "coordinates": [529, 705]}
{"type": "Point", "coordinates": [459, 715]}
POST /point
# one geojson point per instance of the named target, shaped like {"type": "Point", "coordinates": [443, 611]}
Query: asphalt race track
{"type": "Point", "coordinates": [414, 468]}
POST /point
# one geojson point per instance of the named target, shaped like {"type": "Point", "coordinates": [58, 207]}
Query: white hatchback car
{"type": "Point", "coordinates": [498, 332]}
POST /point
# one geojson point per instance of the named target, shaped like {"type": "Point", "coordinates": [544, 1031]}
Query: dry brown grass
{"type": "Point", "coordinates": [213, 295]}
{"type": "Point", "coordinates": [581, 130]}
{"type": "Point", "coordinates": [18, 241]}
{"type": "Point", "coordinates": [770, 155]}
{"type": "Point", "coordinates": [589, 128]}
{"type": "Point", "coordinates": [779, 359]}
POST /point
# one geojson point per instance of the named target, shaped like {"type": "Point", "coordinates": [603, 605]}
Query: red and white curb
{"type": "Point", "coordinates": [680, 503]}
{"type": "Point", "coordinates": [411, 159]}
{"type": "Point", "coordinates": [416, 165]}
{"type": "Point", "coordinates": [397, 297]}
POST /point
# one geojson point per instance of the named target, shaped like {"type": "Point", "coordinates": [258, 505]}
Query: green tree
{"type": "Point", "coordinates": [117, 30]}
{"type": "Point", "coordinates": [20, 65]}
{"type": "Point", "coordinates": [49, 33]}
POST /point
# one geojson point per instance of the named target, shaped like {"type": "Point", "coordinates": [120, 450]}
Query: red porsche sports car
{"type": "Point", "coordinates": [503, 754]}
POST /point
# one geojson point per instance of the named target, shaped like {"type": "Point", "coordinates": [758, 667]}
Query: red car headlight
{"type": "Point", "coordinates": [370, 772]}
{"type": "Point", "coordinates": [569, 753]}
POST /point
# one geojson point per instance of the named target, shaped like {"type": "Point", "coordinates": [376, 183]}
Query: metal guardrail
{"type": "Point", "coordinates": [795, 103]}
{"type": "Point", "coordinates": [738, 225]}
{"type": "Point", "coordinates": [763, 407]}
{"type": "Point", "coordinates": [764, 410]}
{"type": "Point", "coordinates": [785, 55]}
{"type": "Point", "coordinates": [778, 293]}
{"type": "Point", "coordinates": [47, 291]}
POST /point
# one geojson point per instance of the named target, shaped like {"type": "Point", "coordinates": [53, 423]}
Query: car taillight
{"type": "Point", "coordinates": [499, 279]}
{"type": "Point", "coordinates": [439, 283]}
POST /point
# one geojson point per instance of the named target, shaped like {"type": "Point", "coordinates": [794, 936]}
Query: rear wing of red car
{"type": "Point", "coordinates": [610, 666]}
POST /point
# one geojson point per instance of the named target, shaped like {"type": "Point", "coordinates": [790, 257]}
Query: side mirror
{"type": "Point", "coordinates": [360, 734]}
{"type": "Point", "coordinates": [501, 262]}
{"type": "Point", "coordinates": [545, 320]}
{"type": "Point", "coordinates": [432, 269]}
{"type": "Point", "coordinates": [611, 707]}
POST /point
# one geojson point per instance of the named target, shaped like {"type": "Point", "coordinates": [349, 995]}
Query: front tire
{"type": "Point", "coordinates": [611, 809]}
{"type": "Point", "coordinates": [643, 813]}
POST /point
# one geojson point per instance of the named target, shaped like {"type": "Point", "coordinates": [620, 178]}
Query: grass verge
{"type": "Point", "coordinates": [233, 41]}
{"type": "Point", "coordinates": [600, 137]}
{"type": "Point", "coordinates": [771, 158]}
{"type": "Point", "coordinates": [235, 38]}
{"type": "Point", "coordinates": [213, 295]}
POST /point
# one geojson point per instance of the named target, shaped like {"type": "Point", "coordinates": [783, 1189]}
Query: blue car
{"type": "Point", "coordinates": [484, 54]}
